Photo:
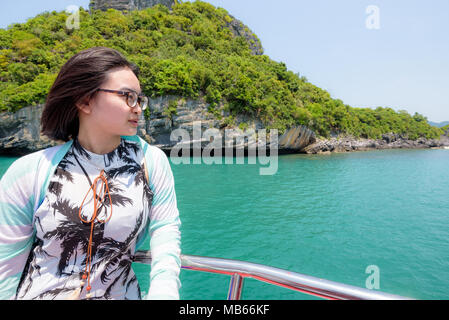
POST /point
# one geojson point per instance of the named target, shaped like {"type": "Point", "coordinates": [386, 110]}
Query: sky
{"type": "Point", "coordinates": [367, 53]}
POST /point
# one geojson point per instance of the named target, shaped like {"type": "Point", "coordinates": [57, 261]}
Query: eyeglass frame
{"type": "Point", "coordinates": [126, 94]}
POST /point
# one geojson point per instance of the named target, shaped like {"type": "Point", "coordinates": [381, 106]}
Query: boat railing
{"type": "Point", "coordinates": [239, 270]}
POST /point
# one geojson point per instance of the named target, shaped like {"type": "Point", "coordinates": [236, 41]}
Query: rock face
{"type": "Point", "coordinates": [193, 126]}
{"type": "Point", "coordinates": [20, 132]}
{"type": "Point", "coordinates": [296, 139]}
{"type": "Point", "coordinates": [388, 141]}
{"type": "Point", "coordinates": [128, 4]}
{"type": "Point", "coordinates": [238, 29]}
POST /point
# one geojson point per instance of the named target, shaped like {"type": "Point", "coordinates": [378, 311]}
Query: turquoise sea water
{"type": "Point", "coordinates": [328, 216]}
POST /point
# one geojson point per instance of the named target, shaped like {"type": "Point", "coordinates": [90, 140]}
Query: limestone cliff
{"type": "Point", "coordinates": [241, 30]}
{"type": "Point", "coordinates": [20, 131]}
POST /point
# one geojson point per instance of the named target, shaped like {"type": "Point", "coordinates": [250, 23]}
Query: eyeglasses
{"type": "Point", "coordinates": [132, 98]}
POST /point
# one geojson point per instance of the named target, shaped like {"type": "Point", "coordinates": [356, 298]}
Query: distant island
{"type": "Point", "coordinates": [197, 62]}
{"type": "Point", "coordinates": [439, 124]}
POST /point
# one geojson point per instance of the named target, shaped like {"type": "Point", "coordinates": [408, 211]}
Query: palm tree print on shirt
{"type": "Point", "coordinates": [111, 258]}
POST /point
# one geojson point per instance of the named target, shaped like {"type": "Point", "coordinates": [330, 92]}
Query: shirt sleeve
{"type": "Point", "coordinates": [164, 232]}
{"type": "Point", "coordinates": [16, 224]}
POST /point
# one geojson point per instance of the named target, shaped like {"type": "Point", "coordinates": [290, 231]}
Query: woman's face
{"type": "Point", "coordinates": [109, 112]}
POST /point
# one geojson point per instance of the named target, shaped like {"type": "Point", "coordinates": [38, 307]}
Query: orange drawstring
{"type": "Point", "coordinates": [104, 188]}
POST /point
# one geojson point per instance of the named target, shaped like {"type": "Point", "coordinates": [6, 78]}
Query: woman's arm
{"type": "Point", "coordinates": [164, 231]}
{"type": "Point", "coordinates": [16, 224]}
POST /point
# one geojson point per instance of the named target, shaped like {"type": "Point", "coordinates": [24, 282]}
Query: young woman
{"type": "Point", "coordinates": [73, 216]}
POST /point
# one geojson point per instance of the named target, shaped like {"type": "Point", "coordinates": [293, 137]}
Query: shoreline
{"type": "Point", "coordinates": [295, 141]}
{"type": "Point", "coordinates": [388, 142]}
{"type": "Point", "coordinates": [374, 149]}
{"type": "Point", "coordinates": [320, 146]}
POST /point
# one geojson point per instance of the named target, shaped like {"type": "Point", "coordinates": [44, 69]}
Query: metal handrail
{"type": "Point", "coordinates": [238, 270]}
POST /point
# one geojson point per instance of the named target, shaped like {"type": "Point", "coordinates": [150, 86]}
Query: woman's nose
{"type": "Point", "coordinates": [137, 109]}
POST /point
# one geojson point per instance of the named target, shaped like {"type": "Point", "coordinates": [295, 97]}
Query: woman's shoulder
{"type": "Point", "coordinates": [151, 153]}
{"type": "Point", "coordinates": [35, 158]}
{"type": "Point", "coordinates": [156, 161]}
{"type": "Point", "coordinates": [34, 162]}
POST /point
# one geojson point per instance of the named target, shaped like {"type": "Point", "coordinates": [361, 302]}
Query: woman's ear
{"type": "Point", "coordinates": [84, 105]}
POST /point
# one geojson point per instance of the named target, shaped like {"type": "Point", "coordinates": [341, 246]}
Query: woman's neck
{"type": "Point", "coordinates": [98, 144]}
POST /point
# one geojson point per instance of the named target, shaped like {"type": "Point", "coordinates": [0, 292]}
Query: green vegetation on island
{"type": "Point", "coordinates": [190, 52]}
{"type": "Point", "coordinates": [445, 129]}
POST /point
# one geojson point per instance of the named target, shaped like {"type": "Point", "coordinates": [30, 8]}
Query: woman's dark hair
{"type": "Point", "coordinates": [78, 79]}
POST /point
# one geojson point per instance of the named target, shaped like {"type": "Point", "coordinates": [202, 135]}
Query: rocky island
{"type": "Point", "coordinates": [199, 65]}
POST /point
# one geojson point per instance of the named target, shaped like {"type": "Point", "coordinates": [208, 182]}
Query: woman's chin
{"type": "Point", "coordinates": [132, 132]}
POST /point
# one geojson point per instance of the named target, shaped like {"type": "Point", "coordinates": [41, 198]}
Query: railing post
{"type": "Point", "coordinates": [235, 287]}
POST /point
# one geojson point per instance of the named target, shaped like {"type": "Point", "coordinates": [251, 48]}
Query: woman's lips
{"type": "Point", "coordinates": [134, 123]}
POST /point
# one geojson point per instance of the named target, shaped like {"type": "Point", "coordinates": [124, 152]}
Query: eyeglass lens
{"type": "Point", "coordinates": [134, 99]}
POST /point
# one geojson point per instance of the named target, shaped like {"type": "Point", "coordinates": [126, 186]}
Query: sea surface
{"type": "Point", "coordinates": [337, 217]}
